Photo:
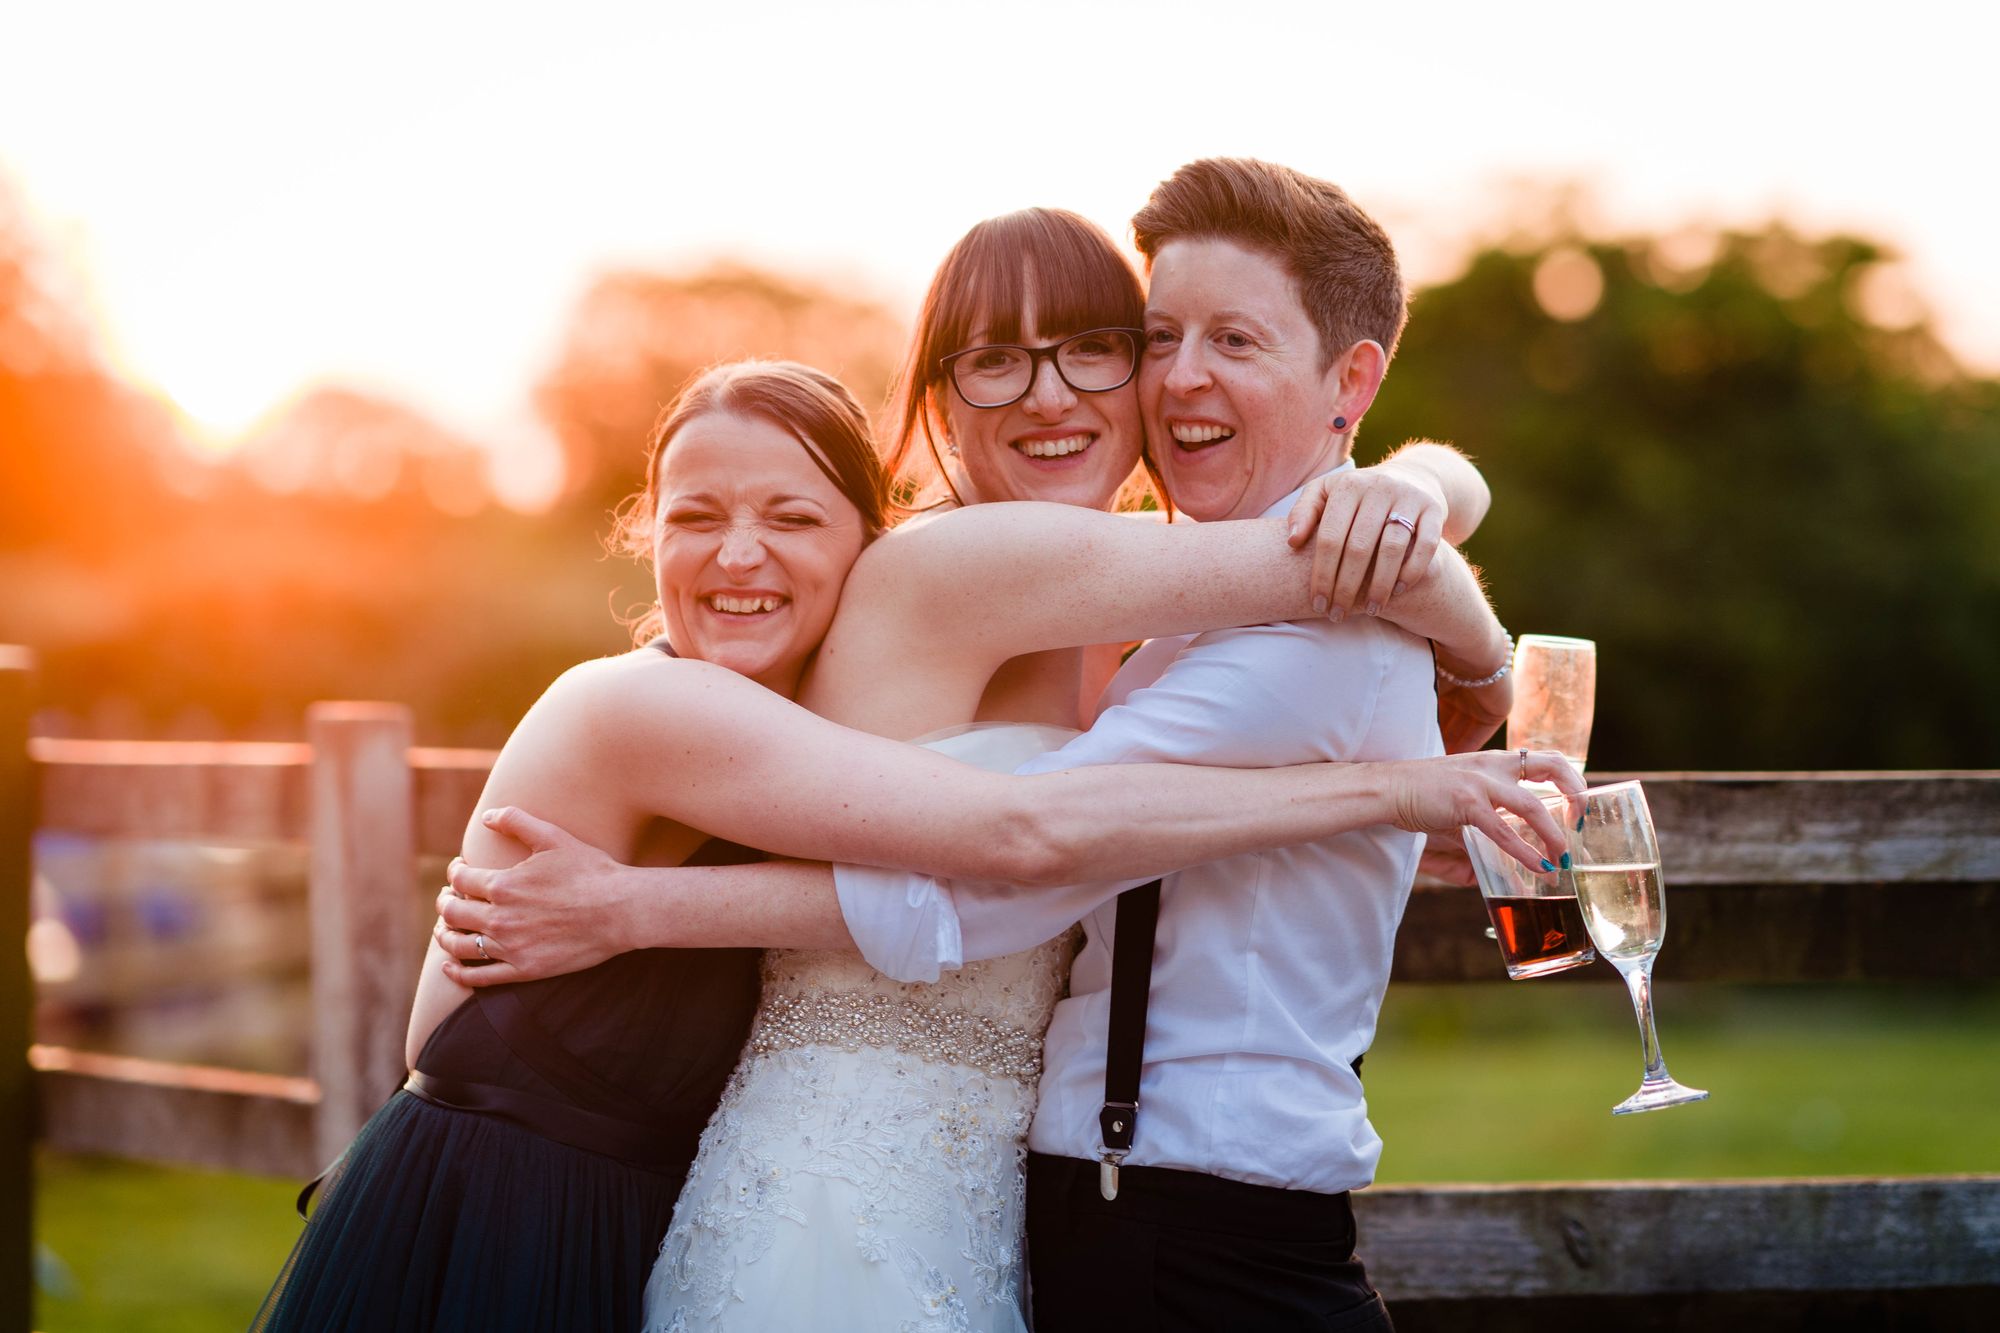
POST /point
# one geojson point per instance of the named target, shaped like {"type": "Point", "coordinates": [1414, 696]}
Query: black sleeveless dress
{"type": "Point", "coordinates": [525, 1175]}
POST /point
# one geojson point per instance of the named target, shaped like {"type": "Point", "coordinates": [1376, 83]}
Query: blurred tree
{"type": "Point", "coordinates": [54, 388]}
{"type": "Point", "coordinates": [1744, 466]}
{"type": "Point", "coordinates": [1741, 463]}
{"type": "Point", "coordinates": [636, 338]}
{"type": "Point", "coordinates": [343, 442]}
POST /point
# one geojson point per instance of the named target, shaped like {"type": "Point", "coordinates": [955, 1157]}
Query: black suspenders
{"type": "Point", "coordinates": [1125, 1052]}
{"type": "Point", "coordinates": [1131, 984]}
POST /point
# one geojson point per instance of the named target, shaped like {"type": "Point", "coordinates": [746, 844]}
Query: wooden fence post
{"type": "Point", "coordinates": [366, 943]}
{"type": "Point", "coordinates": [17, 998]}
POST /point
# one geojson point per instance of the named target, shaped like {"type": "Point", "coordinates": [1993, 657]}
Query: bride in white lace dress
{"type": "Point", "coordinates": [865, 1167]}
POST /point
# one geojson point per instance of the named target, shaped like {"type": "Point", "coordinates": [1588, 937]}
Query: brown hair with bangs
{"type": "Point", "coordinates": [1341, 259]}
{"type": "Point", "coordinates": [1058, 262]}
{"type": "Point", "coordinates": [813, 406]}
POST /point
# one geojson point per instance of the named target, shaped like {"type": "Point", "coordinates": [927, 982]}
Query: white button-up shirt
{"type": "Point", "coordinates": [1269, 969]}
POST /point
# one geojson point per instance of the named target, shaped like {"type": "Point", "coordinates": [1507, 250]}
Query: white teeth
{"type": "Point", "coordinates": [1068, 444]}
{"type": "Point", "coordinates": [742, 606]}
{"type": "Point", "coordinates": [1188, 433]}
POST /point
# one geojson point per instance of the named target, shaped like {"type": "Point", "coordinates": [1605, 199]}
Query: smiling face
{"type": "Point", "coordinates": [1238, 397]}
{"type": "Point", "coordinates": [751, 546]}
{"type": "Point", "coordinates": [1055, 444]}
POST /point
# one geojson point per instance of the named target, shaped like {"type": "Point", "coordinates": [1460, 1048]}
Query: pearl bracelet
{"type": "Point", "coordinates": [1506, 665]}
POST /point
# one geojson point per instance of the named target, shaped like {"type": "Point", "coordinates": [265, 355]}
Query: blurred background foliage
{"type": "Point", "coordinates": [1741, 462]}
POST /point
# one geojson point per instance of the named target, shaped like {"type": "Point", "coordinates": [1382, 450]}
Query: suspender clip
{"type": "Point", "coordinates": [1107, 1174]}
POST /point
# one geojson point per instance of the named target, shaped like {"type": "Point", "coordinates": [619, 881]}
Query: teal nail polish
{"type": "Point", "coordinates": [1579, 823]}
{"type": "Point", "coordinates": [1546, 865]}
{"type": "Point", "coordinates": [1565, 861]}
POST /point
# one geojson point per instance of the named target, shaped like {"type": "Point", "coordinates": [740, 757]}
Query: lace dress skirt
{"type": "Point", "coordinates": [866, 1168]}
{"type": "Point", "coordinates": [852, 1189]}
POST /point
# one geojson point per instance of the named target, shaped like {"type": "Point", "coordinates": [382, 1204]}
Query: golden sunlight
{"type": "Point", "coordinates": [217, 392]}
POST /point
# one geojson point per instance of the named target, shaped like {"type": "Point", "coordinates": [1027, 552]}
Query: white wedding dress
{"type": "Point", "coordinates": [865, 1169]}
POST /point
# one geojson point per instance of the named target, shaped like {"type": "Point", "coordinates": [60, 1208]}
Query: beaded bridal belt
{"type": "Point", "coordinates": [928, 1031]}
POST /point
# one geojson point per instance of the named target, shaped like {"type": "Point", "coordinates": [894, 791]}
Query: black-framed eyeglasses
{"type": "Point", "coordinates": [1094, 361]}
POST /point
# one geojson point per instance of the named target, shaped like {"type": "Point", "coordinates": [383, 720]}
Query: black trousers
{"type": "Point", "coordinates": [1177, 1252]}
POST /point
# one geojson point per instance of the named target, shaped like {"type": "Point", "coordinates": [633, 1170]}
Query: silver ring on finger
{"type": "Point", "coordinates": [1524, 778]}
{"type": "Point", "coordinates": [479, 943]}
{"type": "Point", "coordinates": [1406, 521]}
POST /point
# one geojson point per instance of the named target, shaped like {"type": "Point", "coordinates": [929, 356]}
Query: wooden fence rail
{"type": "Point", "coordinates": [1776, 877]}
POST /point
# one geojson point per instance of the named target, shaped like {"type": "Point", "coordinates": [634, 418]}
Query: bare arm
{"type": "Point", "coordinates": [930, 614]}
{"type": "Point", "coordinates": [570, 906]}
{"type": "Point", "coordinates": [1450, 609]}
{"type": "Point", "coordinates": [1466, 495]}
{"type": "Point", "coordinates": [616, 744]}
{"type": "Point", "coordinates": [642, 739]}
{"type": "Point", "coordinates": [1376, 532]}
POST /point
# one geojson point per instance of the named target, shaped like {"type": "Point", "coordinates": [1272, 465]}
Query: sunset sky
{"type": "Point", "coordinates": [251, 198]}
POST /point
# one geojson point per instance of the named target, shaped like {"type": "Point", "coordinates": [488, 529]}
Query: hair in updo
{"type": "Point", "coordinates": [814, 407]}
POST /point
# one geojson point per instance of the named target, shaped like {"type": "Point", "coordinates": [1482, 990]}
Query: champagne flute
{"type": "Point", "coordinates": [1555, 694]}
{"type": "Point", "coordinates": [1616, 871]}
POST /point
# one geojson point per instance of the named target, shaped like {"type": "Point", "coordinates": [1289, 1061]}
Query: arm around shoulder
{"type": "Point", "coordinates": [1466, 494]}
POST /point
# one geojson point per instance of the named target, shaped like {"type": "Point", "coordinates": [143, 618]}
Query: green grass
{"type": "Point", "coordinates": [153, 1249]}
{"type": "Point", "coordinates": [1492, 1083]}
{"type": "Point", "coordinates": [1478, 1083]}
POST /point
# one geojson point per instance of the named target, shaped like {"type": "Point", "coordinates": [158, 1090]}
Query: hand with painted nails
{"type": "Point", "coordinates": [1374, 532]}
{"type": "Point", "coordinates": [1446, 794]}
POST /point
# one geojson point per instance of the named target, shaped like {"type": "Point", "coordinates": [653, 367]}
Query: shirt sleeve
{"type": "Point", "coordinates": [1243, 698]}
{"type": "Point", "coordinates": [903, 923]}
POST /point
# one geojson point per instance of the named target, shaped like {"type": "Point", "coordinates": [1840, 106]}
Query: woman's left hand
{"type": "Point", "coordinates": [1347, 518]}
{"type": "Point", "coordinates": [558, 911]}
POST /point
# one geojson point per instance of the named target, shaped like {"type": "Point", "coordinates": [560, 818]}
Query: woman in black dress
{"type": "Point", "coordinates": [524, 1174]}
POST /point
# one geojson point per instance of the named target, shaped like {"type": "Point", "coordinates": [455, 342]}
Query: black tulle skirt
{"type": "Point", "coordinates": [440, 1219]}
